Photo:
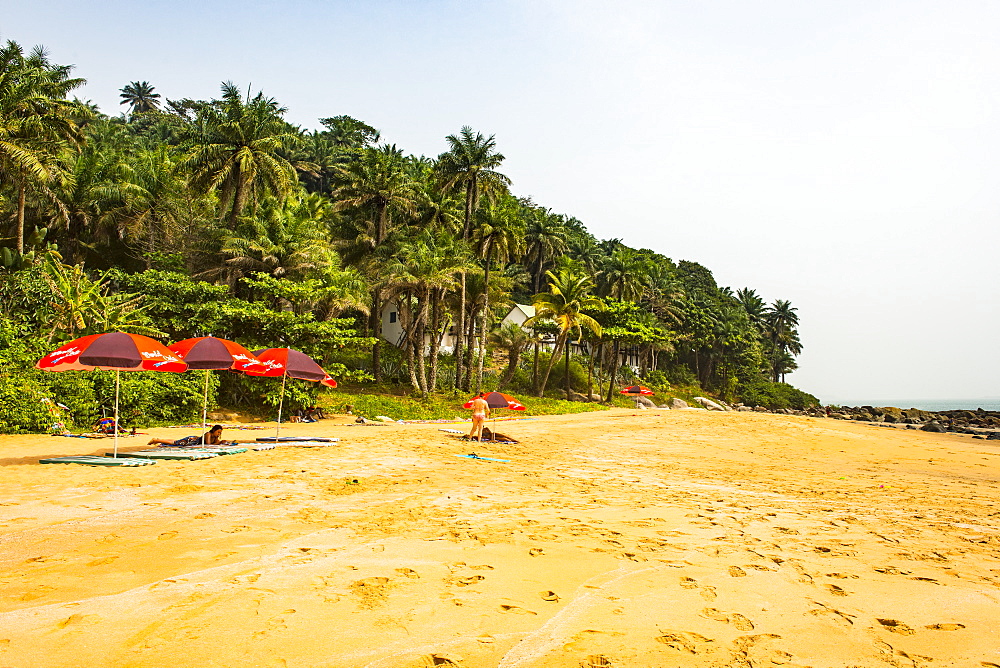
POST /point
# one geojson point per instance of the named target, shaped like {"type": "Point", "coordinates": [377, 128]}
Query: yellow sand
{"type": "Point", "coordinates": [622, 538]}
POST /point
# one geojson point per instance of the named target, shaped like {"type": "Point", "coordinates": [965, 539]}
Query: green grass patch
{"type": "Point", "coordinates": [369, 404]}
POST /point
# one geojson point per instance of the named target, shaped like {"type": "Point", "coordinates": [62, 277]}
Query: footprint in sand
{"type": "Point", "coordinates": [102, 561]}
{"type": "Point", "coordinates": [945, 627]}
{"type": "Point", "coordinates": [684, 641]}
{"type": "Point", "coordinates": [166, 535]}
{"type": "Point", "coordinates": [835, 590]}
{"type": "Point", "coordinates": [689, 583]}
{"type": "Point", "coordinates": [535, 551]}
{"type": "Point", "coordinates": [596, 661]}
{"type": "Point", "coordinates": [79, 620]}
{"type": "Point", "coordinates": [517, 610]}
{"type": "Point", "coordinates": [895, 626]}
{"type": "Point", "coordinates": [470, 580]}
{"type": "Point", "coordinates": [549, 596]}
{"type": "Point", "coordinates": [440, 660]}
{"type": "Point", "coordinates": [736, 619]}
{"type": "Point", "coordinates": [37, 592]}
{"type": "Point", "coordinates": [737, 572]}
{"type": "Point", "coordinates": [408, 573]}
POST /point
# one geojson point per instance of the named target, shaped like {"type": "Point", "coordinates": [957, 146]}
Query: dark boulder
{"type": "Point", "coordinates": [934, 426]}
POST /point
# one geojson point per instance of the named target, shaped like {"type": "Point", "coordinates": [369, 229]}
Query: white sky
{"type": "Point", "coordinates": [841, 155]}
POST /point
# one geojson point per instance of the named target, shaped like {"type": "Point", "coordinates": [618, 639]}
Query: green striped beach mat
{"type": "Point", "coordinates": [159, 454]}
{"type": "Point", "coordinates": [94, 460]}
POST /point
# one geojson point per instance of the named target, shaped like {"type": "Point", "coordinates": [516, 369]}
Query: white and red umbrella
{"type": "Point", "coordinates": [289, 363]}
{"type": "Point", "coordinates": [113, 350]}
{"type": "Point", "coordinates": [210, 353]}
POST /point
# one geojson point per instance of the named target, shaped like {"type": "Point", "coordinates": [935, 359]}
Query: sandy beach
{"type": "Point", "coordinates": [620, 538]}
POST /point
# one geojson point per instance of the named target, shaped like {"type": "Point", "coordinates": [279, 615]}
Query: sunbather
{"type": "Point", "coordinates": [212, 437]}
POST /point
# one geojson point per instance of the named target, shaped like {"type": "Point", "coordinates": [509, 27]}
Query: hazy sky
{"type": "Point", "coordinates": [841, 155]}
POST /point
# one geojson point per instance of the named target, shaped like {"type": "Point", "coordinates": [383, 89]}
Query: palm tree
{"type": "Point", "coordinates": [36, 123]}
{"type": "Point", "coordinates": [241, 152]}
{"type": "Point", "coordinates": [499, 236]}
{"type": "Point", "coordinates": [623, 275]}
{"type": "Point", "coordinates": [139, 96]}
{"type": "Point", "coordinates": [564, 303]}
{"type": "Point", "coordinates": [379, 183]}
{"type": "Point", "coordinates": [545, 237]}
{"type": "Point", "coordinates": [470, 163]}
{"type": "Point", "coordinates": [782, 319]}
{"type": "Point", "coordinates": [512, 338]}
{"type": "Point", "coordinates": [755, 307]}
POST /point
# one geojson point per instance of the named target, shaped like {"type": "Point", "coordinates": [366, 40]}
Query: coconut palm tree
{"type": "Point", "coordinates": [470, 164]}
{"type": "Point", "coordinates": [564, 303]}
{"type": "Point", "coordinates": [782, 319]}
{"type": "Point", "coordinates": [499, 236]}
{"type": "Point", "coordinates": [139, 96]}
{"type": "Point", "coordinates": [241, 152]}
{"type": "Point", "coordinates": [513, 339]}
{"type": "Point", "coordinates": [623, 275]}
{"type": "Point", "coordinates": [378, 183]}
{"type": "Point", "coordinates": [36, 124]}
{"type": "Point", "coordinates": [545, 237]}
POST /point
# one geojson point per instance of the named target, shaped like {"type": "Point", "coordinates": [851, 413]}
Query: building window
{"type": "Point", "coordinates": [392, 316]}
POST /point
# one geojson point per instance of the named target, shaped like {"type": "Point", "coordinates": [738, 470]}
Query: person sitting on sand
{"type": "Point", "coordinates": [480, 411]}
{"type": "Point", "coordinates": [212, 437]}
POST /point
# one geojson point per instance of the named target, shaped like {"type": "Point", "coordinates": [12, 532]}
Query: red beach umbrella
{"type": "Point", "coordinates": [498, 400]}
{"type": "Point", "coordinates": [289, 363]}
{"type": "Point", "coordinates": [210, 353]}
{"type": "Point", "coordinates": [636, 390]}
{"type": "Point", "coordinates": [112, 350]}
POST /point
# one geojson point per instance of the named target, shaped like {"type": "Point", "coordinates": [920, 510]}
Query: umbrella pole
{"type": "Point", "coordinates": [118, 374]}
{"type": "Point", "coordinates": [204, 410]}
{"type": "Point", "coordinates": [281, 401]}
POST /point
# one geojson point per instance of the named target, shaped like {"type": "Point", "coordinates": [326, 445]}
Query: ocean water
{"type": "Point", "coordinates": [987, 404]}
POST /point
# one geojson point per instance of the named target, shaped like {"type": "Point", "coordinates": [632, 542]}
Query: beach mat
{"type": "Point", "coordinates": [160, 454]}
{"type": "Point", "coordinates": [224, 450]}
{"type": "Point", "coordinates": [293, 439]}
{"type": "Point", "coordinates": [485, 459]}
{"type": "Point", "coordinates": [94, 460]}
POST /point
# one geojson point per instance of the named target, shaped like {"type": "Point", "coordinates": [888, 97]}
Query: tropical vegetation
{"type": "Point", "coordinates": [185, 217]}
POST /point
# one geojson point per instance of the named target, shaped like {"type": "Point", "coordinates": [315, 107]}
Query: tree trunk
{"type": "Point", "coordinates": [239, 201]}
{"type": "Point", "coordinates": [459, 331]}
{"type": "Point", "coordinates": [513, 359]}
{"type": "Point", "coordinates": [534, 368]}
{"type": "Point", "coordinates": [380, 221]}
{"type": "Point", "coordinates": [19, 246]}
{"type": "Point", "coordinates": [486, 317]}
{"type": "Point", "coordinates": [569, 343]}
{"type": "Point", "coordinates": [470, 356]}
{"type": "Point", "coordinates": [375, 322]}
{"type": "Point", "coordinates": [614, 369]}
{"type": "Point", "coordinates": [419, 342]}
{"type": "Point", "coordinates": [590, 372]}
{"type": "Point", "coordinates": [552, 361]}
{"type": "Point", "coordinates": [436, 335]}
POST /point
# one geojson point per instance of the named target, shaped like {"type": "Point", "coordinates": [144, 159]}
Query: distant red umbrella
{"type": "Point", "coordinates": [210, 353]}
{"type": "Point", "coordinates": [636, 390]}
{"type": "Point", "coordinates": [289, 363]}
{"type": "Point", "coordinates": [113, 350]}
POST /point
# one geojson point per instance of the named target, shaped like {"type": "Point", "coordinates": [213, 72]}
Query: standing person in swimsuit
{"type": "Point", "coordinates": [480, 411]}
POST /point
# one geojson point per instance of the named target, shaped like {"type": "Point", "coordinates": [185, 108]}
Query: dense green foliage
{"type": "Point", "coordinates": [184, 218]}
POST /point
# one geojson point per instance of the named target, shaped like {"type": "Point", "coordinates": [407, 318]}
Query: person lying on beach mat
{"type": "Point", "coordinates": [492, 436]}
{"type": "Point", "coordinates": [212, 437]}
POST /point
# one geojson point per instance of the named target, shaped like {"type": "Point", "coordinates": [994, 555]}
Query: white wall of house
{"type": "Point", "coordinates": [392, 329]}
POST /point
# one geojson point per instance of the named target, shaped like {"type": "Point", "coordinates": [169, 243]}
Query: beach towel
{"type": "Point", "coordinates": [160, 454]}
{"type": "Point", "coordinates": [93, 460]}
{"type": "Point", "coordinates": [485, 459]}
{"type": "Point", "coordinates": [290, 439]}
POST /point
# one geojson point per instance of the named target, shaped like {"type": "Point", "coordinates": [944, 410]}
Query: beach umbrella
{"type": "Point", "coordinates": [288, 363]}
{"type": "Point", "coordinates": [112, 350]}
{"type": "Point", "coordinates": [210, 353]}
{"type": "Point", "coordinates": [498, 400]}
{"type": "Point", "coordinates": [636, 390]}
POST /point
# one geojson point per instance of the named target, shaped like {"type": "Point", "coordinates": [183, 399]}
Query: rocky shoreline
{"type": "Point", "coordinates": [978, 423]}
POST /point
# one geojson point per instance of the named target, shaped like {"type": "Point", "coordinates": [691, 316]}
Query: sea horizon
{"type": "Point", "coordinates": [986, 403]}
